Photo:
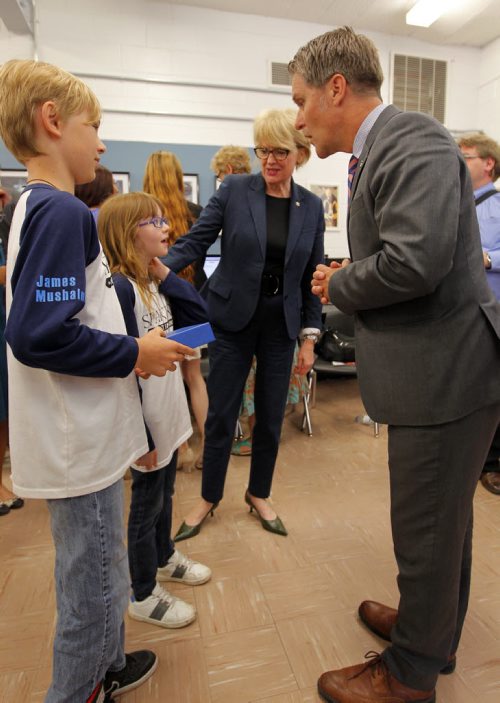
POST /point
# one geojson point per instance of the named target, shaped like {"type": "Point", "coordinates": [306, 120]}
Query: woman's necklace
{"type": "Point", "coordinates": [41, 180]}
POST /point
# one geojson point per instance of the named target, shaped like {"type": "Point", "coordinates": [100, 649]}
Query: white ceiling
{"type": "Point", "coordinates": [469, 22]}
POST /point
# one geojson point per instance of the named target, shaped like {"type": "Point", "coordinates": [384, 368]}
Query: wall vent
{"type": "Point", "coordinates": [419, 85]}
{"type": "Point", "coordinates": [279, 74]}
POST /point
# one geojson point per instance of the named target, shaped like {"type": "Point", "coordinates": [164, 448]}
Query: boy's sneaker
{"type": "Point", "coordinates": [163, 609]}
{"type": "Point", "coordinates": [183, 570]}
{"type": "Point", "coordinates": [139, 667]}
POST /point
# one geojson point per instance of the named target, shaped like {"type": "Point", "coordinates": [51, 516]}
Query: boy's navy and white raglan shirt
{"type": "Point", "coordinates": [74, 410]}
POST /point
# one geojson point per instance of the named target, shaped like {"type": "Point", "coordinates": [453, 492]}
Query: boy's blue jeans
{"type": "Point", "coordinates": [150, 525]}
{"type": "Point", "coordinates": [92, 587]}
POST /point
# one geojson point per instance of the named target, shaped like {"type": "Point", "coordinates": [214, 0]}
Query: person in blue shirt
{"type": "Point", "coordinates": [482, 156]}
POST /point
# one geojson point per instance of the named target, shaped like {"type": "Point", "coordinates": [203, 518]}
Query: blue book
{"type": "Point", "coordinates": [194, 335]}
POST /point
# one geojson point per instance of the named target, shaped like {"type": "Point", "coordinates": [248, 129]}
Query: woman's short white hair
{"type": "Point", "coordinates": [276, 128]}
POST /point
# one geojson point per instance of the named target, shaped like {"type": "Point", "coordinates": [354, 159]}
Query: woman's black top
{"type": "Point", "coordinates": [277, 220]}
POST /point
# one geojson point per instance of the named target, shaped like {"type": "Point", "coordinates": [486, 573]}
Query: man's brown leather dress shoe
{"type": "Point", "coordinates": [380, 619]}
{"type": "Point", "coordinates": [491, 481]}
{"type": "Point", "coordinates": [371, 682]}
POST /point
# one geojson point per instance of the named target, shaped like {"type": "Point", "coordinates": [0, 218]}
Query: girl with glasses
{"type": "Point", "coordinates": [134, 234]}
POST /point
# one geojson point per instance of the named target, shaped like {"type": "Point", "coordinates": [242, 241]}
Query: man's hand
{"type": "Point", "coordinates": [158, 355]}
{"type": "Point", "coordinates": [321, 279]}
{"type": "Point", "coordinates": [319, 283]}
{"type": "Point", "coordinates": [148, 461]}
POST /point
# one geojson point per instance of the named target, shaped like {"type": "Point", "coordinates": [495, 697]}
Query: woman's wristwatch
{"type": "Point", "coordinates": [313, 336]}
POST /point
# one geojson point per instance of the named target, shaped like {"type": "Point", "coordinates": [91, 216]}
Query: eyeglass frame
{"type": "Point", "coordinates": [271, 151]}
{"type": "Point", "coordinates": [157, 222]}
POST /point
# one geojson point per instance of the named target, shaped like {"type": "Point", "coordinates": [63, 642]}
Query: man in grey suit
{"type": "Point", "coordinates": [427, 347]}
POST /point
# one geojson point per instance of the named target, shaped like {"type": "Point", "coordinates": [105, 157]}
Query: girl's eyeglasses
{"type": "Point", "coordinates": [157, 222]}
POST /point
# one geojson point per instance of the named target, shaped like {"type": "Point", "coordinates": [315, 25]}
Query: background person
{"type": "Point", "coordinates": [163, 178]}
{"type": "Point", "coordinates": [230, 159]}
{"type": "Point", "coordinates": [482, 156]}
{"type": "Point", "coordinates": [427, 349]}
{"type": "Point", "coordinates": [94, 194]}
{"type": "Point", "coordinates": [258, 298]}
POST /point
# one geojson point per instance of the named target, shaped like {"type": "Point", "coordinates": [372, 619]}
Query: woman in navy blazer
{"type": "Point", "coordinates": [259, 302]}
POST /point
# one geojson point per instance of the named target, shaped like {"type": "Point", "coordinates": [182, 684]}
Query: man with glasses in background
{"type": "Point", "coordinates": [482, 156]}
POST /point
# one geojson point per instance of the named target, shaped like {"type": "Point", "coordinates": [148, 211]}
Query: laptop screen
{"type": "Point", "coordinates": [211, 263]}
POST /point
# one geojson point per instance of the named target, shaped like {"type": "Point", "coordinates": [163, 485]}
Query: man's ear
{"type": "Point", "coordinates": [336, 87]}
{"type": "Point", "coordinates": [229, 169]}
{"type": "Point", "coordinates": [490, 166]}
{"type": "Point", "coordinates": [50, 118]}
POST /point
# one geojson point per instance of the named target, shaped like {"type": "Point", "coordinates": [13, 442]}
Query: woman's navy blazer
{"type": "Point", "coordinates": [238, 208]}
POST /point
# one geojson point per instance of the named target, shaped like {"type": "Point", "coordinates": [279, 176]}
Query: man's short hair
{"type": "Point", "coordinates": [340, 51]}
{"type": "Point", "coordinates": [24, 86]}
{"type": "Point", "coordinates": [486, 147]}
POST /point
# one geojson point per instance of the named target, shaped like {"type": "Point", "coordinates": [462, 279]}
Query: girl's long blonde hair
{"type": "Point", "coordinates": [164, 179]}
{"type": "Point", "coordinates": [117, 226]}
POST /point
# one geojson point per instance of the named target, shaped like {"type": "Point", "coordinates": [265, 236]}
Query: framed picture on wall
{"type": "Point", "coordinates": [13, 181]}
{"type": "Point", "coordinates": [122, 181]}
{"type": "Point", "coordinates": [329, 195]}
{"type": "Point", "coordinates": [191, 187]}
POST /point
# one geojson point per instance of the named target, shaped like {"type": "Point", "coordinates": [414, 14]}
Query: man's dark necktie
{"type": "Point", "coordinates": [353, 165]}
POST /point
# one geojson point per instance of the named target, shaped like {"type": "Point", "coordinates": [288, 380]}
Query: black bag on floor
{"type": "Point", "coordinates": [336, 346]}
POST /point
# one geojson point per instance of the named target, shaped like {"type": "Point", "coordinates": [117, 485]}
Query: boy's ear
{"type": "Point", "coordinates": [50, 118]}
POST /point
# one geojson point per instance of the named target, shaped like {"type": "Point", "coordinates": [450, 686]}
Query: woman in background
{"type": "Point", "coordinates": [163, 178]}
{"type": "Point", "coordinates": [230, 159]}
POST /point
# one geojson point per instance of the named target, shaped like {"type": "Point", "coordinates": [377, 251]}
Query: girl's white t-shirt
{"type": "Point", "coordinates": [164, 403]}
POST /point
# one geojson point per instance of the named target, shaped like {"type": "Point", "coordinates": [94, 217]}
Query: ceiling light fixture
{"type": "Point", "coordinates": [426, 12]}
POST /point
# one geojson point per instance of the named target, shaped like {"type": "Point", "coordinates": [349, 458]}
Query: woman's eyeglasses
{"type": "Point", "coordinates": [157, 222]}
{"type": "Point", "coordinates": [279, 154]}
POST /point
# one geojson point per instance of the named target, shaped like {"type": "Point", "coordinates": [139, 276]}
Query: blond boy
{"type": "Point", "coordinates": [72, 383]}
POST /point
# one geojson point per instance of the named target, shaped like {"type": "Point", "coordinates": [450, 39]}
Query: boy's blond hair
{"type": "Point", "coordinates": [117, 224]}
{"type": "Point", "coordinates": [24, 86]}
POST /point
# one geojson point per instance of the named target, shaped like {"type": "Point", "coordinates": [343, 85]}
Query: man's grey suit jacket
{"type": "Point", "coordinates": [427, 324]}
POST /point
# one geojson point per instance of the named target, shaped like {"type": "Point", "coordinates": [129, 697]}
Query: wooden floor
{"type": "Point", "coordinates": [278, 611]}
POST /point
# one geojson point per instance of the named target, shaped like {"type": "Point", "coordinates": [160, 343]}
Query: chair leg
{"type": "Point", "coordinates": [306, 419]}
{"type": "Point", "coordinates": [313, 377]}
{"type": "Point", "coordinates": [238, 433]}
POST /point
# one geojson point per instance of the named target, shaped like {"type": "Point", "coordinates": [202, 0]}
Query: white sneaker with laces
{"type": "Point", "coordinates": [183, 570]}
{"type": "Point", "coordinates": [163, 609]}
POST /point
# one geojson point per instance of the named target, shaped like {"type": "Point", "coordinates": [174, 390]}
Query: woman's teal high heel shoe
{"type": "Point", "coordinates": [275, 525]}
{"type": "Point", "coordinates": [187, 531]}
